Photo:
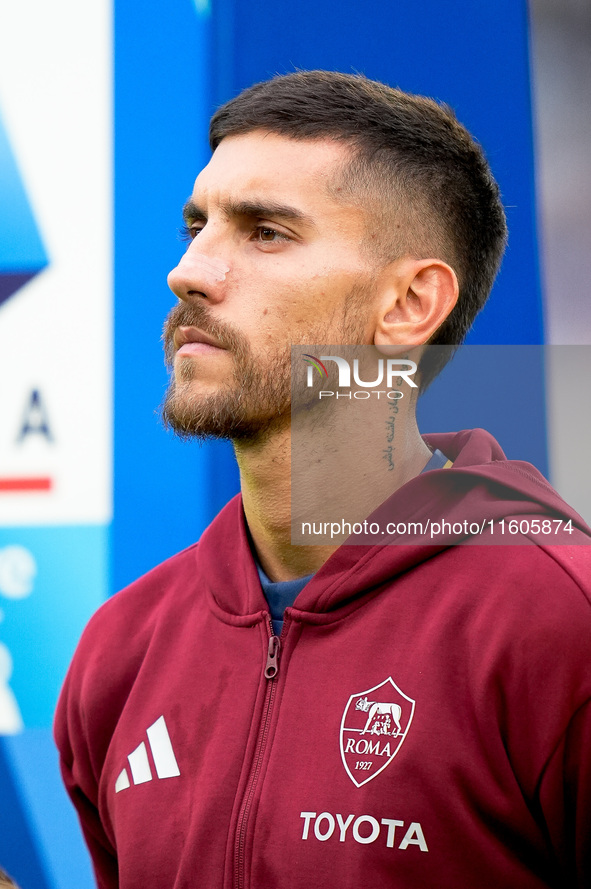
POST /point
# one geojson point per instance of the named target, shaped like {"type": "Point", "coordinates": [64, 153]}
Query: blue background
{"type": "Point", "coordinates": [169, 78]}
{"type": "Point", "coordinates": [173, 65]}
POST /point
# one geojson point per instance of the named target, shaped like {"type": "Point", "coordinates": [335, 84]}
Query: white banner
{"type": "Point", "coordinates": [55, 331]}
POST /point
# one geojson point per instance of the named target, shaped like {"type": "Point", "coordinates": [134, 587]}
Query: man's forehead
{"type": "Point", "coordinates": [284, 169]}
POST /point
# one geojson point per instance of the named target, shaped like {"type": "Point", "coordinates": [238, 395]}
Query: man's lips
{"type": "Point", "coordinates": [192, 341]}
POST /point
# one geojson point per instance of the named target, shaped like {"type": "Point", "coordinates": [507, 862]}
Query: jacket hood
{"type": "Point", "coordinates": [481, 489]}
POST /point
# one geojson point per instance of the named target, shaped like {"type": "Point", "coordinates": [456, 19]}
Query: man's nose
{"type": "Point", "coordinates": [199, 274]}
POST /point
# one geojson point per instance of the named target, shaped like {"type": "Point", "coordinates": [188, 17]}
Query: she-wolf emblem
{"type": "Point", "coordinates": [378, 708]}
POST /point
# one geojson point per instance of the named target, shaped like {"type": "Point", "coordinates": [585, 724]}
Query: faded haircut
{"type": "Point", "coordinates": [421, 177]}
{"type": "Point", "coordinates": [6, 882]}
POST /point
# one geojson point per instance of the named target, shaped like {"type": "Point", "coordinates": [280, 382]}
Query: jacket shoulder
{"type": "Point", "coordinates": [114, 643]}
{"type": "Point", "coordinates": [134, 610]}
{"type": "Point", "coordinates": [575, 563]}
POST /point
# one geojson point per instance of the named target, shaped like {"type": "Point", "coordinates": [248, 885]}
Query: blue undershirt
{"type": "Point", "coordinates": [281, 595]}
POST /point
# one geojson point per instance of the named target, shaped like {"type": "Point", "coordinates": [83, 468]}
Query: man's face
{"type": "Point", "coordinates": [273, 260]}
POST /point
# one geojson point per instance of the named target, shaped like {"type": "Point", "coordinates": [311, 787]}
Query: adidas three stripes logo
{"type": "Point", "coordinates": [162, 755]}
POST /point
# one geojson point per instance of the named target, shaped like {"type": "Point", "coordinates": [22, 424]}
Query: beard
{"type": "Point", "coordinates": [256, 401]}
{"type": "Point", "coordinates": [252, 404]}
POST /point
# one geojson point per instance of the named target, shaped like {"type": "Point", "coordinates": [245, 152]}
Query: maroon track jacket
{"type": "Point", "coordinates": [423, 721]}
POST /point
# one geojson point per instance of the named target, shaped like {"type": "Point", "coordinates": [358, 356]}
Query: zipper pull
{"type": "Point", "coordinates": [272, 666]}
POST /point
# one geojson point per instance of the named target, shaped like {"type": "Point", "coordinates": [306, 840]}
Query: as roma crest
{"type": "Point", "coordinates": [373, 727]}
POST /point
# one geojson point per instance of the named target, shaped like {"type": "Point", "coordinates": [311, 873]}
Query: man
{"type": "Point", "coordinates": [258, 714]}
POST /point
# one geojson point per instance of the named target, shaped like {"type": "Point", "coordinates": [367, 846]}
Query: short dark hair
{"type": "Point", "coordinates": [6, 881]}
{"type": "Point", "coordinates": [423, 177]}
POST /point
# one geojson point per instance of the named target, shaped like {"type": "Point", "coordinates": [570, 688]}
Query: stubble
{"type": "Point", "coordinates": [255, 402]}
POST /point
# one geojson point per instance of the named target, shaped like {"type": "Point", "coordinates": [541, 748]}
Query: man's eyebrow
{"type": "Point", "coordinates": [266, 210]}
{"type": "Point", "coordinates": [192, 213]}
{"type": "Point", "coordinates": [255, 209]}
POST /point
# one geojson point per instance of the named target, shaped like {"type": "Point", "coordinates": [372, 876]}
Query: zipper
{"type": "Point", "coordinates": [272, 665]}
{"type": "Point", "coordinates": [271, 673]}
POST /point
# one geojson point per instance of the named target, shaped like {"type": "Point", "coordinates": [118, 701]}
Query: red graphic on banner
{"type": "Point", "coordinates": [19, 485]}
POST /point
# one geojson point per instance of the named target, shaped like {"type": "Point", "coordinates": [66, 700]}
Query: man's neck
{"type": "Point", "coordinates": [363, 471]}
{"type": "Point", "coordinates": [265, 481]}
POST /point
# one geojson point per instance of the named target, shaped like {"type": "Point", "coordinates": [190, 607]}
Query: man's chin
{"type": "Point", "coordinates": [196, 371]}
{"type": "Point", "coordinates": [191, 415]}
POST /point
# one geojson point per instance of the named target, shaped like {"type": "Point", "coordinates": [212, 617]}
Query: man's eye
{"type": "Point", "coordinates": [190, 232]}
{"type": "Point", "coordinates": [268, 235]}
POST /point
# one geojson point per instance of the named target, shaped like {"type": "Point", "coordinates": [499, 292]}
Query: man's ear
{"type": "Point", "coordinates": [416, 296]}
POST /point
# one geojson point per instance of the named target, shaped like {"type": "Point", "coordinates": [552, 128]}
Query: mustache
{"type": "Point", "coordinates": [198, 315]}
